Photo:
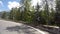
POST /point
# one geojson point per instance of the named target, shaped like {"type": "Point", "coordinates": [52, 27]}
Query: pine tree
{"type": "Point", "coordinates": [11, 14]}
{"type": "Point", "coordinates": [37, 16]}
{"type": "Point", "coordinates": [17, 14]}
{"type": "Point", "coordinates": [46, 12]}
{"type": "Point", "coordinates": [52, 17]}
{"type": "Point", "coordinates": [3, 15]}
{"type": "Point", "coordinates": [57, 12]}
{"type": "Point", "coordinates": [27, 10]}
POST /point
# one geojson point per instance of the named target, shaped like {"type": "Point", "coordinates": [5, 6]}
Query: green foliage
{"type": "Point", "coordinates": [27, 10]}
{"type": "Point", "coordinates": [15, 14]}
{"type": "Point", "coordinates": [57, 18]}
{"type": "Point", "coordinates": [32, 14]}
{"type": "Point", "coordinates": [45, 13]}
{"type": "Point", "coordinates": [52, 17]}
{"type": "Point", "coordinates": [3, 14]}
{"type": "Point", "coordinates": [11, 14]}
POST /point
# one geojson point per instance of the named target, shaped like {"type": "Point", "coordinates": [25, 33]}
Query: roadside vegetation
{"type": "Point", "coordinates": [36, 15]}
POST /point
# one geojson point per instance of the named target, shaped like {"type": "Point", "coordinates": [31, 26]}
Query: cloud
{"type": "Point", "coordinates": [34, 2]}
{"type": "Point", "coordinates": [1, 3]}
{"type": "Point", "coordinates": [13, 4]}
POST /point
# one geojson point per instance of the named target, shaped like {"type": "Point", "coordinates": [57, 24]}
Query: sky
{"type": "Point", "coordinates": [9, 4]}
{"type": "Point", "coordinates": [6, 5]}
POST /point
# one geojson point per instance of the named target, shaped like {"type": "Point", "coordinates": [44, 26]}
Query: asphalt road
{"type": "Point", "coordinates": [9, 27]}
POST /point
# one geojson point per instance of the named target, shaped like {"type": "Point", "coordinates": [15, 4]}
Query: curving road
{"type": "Point", "coordinates": [9, 27]}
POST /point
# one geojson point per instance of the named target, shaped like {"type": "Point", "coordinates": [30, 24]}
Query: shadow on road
{"type": "Point", "coordinates": [21, 29]}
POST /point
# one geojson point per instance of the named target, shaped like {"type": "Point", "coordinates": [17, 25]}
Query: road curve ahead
{"type": "Point", "coordinates": [9, 27]}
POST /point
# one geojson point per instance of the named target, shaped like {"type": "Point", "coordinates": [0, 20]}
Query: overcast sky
{"type": "Point", "coordinates": [8, 4]}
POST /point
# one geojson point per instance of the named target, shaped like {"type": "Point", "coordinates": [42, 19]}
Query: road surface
{"type": "Point", "coordinates": [9, 27]}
